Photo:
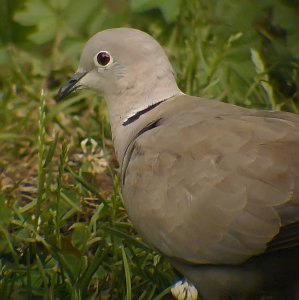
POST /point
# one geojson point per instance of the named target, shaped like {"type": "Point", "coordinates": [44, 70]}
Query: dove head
{"type": "Point", "coordinates": [131, 70]}
{"type": "Point", "coordinates": [128, 67]}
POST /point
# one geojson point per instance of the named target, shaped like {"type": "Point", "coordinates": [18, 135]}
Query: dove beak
{"type": "Point", "coordinates": [70, 86]}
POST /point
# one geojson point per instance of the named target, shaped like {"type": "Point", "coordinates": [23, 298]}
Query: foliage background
{"type": "Point", "coordinates": [63, 231]}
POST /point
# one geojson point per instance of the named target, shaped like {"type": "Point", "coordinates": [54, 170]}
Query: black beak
{"type": "Point", "coordinates": [70, 87]}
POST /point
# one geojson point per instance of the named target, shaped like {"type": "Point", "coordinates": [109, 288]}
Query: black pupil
{"type": "Point", "coordinates": [103, 58]}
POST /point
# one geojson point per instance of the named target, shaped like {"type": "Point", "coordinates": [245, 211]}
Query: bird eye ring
{"type": "Point", "coordinates": [103, 59]}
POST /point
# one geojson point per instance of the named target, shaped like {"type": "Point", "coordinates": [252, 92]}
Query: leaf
{"type": "Point", "coordinates": [143, 5]}
{"type": "Point", "coordinates": [72, 264]}
{"type": "Point", "coordinates": [169, 8]}
{"type": "Point", "coordinates": [41, 15]}
{"type": "Point", "coordinates": [80, 236]}
{"type": "Point", "coordinates": [4, 245]}
{"type": "Point", "coordinates": [23, 235]}
{"type": "Point", "coordinates": [261, 70]}
{"type": "Point", "coordinates": [5, 213]}
{"type": "Point", "coordinates": [287, 18]}
{"type": "Point", "coordinates": [92, 268]}
{"type": "Point", "coordinates": [46, 30]}
{"type": "Point", "coordinates": [60, 4]}
{"type": "Point", "coordinates": [34, 12]}
{"type": "Point", "coordinates": [127, 275]}
{"type": "Point", "coordinates": [55, 17]}
{"type": "Point", "coordinates": [95, 217]}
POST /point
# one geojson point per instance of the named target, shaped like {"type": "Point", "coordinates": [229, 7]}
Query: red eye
{"type": "Point", "coordinates": [103, 58]}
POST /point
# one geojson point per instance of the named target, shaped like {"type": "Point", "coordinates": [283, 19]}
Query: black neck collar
{"type": "Point", "coordinates": [139, 113]}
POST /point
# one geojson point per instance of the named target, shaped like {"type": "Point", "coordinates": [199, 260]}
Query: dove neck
{"type": "Point", "coordinates": [126, 120]}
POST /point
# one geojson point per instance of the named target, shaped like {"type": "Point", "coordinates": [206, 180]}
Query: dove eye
{"type": "Point", "coordinates": [103, 59]}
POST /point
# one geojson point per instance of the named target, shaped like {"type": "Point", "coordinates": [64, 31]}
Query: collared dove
{"type": "Point", "coordinates": [212, 186]}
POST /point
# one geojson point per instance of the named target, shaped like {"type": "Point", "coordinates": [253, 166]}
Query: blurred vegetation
{"type": "Point", "coordinates": [63, 231]}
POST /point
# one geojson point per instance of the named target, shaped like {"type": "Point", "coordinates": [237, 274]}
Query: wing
{"type": "Point", "coordinates": [208, 182]}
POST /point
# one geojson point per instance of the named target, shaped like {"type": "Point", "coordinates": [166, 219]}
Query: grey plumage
{"type": "Point", "coordinates": [213, 186]}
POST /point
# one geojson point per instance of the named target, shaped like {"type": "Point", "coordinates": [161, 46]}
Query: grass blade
{"type": "Point", "coordinates": [127, 275]}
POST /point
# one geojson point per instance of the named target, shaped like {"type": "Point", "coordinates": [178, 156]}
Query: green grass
{"type": "Point", "coordinates": [63, 237]}
{"type": "Point", "coordinates": [64, 233]}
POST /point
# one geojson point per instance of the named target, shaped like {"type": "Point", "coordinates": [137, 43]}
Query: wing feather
{"type": "Point", "coordinates": [208, 184]}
